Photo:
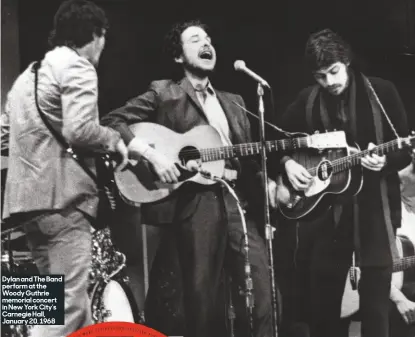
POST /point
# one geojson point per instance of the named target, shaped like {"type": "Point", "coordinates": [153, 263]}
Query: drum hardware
{"type": "Point", "coordinates": [99, 312]}
{"type": "Point", "coordinates": [111, 297]}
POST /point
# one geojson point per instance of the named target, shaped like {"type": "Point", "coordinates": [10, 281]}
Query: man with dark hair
{"type": "Point", "coordinates": [345, 99]}
{"type": "Point", "coordinates": [205, 218]}
{"type": "Point", "coordinates": [46, 189]}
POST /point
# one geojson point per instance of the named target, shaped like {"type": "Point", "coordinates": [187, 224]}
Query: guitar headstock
{"type": "Point", "coordinates": [327, 140]}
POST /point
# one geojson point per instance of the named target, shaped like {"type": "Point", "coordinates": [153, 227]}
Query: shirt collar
{"type": "Point", "coordinates": [208, 89]}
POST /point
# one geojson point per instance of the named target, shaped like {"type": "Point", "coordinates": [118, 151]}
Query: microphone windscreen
{"type": "Point", "coordinates": [239, 64]}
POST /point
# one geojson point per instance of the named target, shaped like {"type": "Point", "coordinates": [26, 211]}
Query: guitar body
{"type": "Point", "coordinates": [138, 183]}
{"type": "Point", "coordinates": [308, 204]}
{"type": "Point", "coordinates": [406, 261]}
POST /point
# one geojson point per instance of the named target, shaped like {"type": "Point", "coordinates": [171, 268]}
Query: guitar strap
{"type": "Point", "coordinates": [383, 185]}
{"type": "Point", "coordinates": [59, 138]}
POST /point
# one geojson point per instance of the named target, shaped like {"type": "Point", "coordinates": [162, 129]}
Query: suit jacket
{"type": "Point", "coordinates": [42, 175]}
{"type": "Point", "coordinates": [175, 106]}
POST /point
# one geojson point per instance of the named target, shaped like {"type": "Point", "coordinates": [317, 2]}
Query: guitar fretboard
{"type": "Point", "coordinates": [345, 163]}
{"type": "Point", "coordinates": [404, 263]}
{"type": "Point", "coordinates": [249, 149]}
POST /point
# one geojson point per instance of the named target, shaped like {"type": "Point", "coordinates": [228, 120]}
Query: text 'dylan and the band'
{"type": "Point", "coordinates": [32, 299]}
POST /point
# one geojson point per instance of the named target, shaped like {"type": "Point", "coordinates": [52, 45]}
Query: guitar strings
{"type": "Point", "coordinates": [348, 159]}
{"type": "Point", "coordinates": [250, 147]}
{"type": "Point", "coordinates": [247, 147]}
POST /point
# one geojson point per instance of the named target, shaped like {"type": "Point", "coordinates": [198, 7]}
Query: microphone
{"type": "Point", "coordinates": [240, 65]}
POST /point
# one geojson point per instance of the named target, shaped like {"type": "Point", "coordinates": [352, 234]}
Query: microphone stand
{"type": "Point", "coordinates": [268, 227]}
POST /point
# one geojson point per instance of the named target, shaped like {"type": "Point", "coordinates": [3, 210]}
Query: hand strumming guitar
{"type": "Point", "coordinates": [297, 174]}
{"type": "Point", "coordinates": [165, 168]}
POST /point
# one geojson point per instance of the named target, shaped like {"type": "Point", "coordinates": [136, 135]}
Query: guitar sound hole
{"type": "Point", "coordinates": [187, 154]}
{"type": "Point", "coordinates": [324, 170]}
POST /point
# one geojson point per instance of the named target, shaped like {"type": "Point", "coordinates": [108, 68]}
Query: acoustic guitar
{"type": "Point", "coordinates": [350, 301]}
{"type": "Point", "coordinates": [334, 171]}
{"type": "Point", "coordinates": [138, 183]}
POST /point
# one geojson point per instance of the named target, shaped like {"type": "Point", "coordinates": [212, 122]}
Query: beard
{"type": "Point", "coordinates": [198, 71]}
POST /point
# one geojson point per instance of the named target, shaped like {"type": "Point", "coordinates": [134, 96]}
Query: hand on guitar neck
{"type": "Point", "coordinates": [373, 161]}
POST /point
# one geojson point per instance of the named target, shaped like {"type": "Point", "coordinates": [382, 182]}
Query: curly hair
{"type": "Point", "coordinates": [173, 42]}
{"type": "Point", "coordinates": [76, 22]}
{"type": "Point", "coordinates": [324, 48]}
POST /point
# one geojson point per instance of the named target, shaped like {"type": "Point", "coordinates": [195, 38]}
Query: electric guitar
{"type": "Point", "coordinates": [350, 301]}
{"type": "Point", "coordinates": [334, 171]}
{"type": "Point", "coordinates": [138, 183]}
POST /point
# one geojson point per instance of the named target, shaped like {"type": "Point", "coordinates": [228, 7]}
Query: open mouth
{"type": "Point", "coordinates": [206, 55]}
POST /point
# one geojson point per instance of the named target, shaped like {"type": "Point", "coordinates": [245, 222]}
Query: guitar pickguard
{"type": "Point", "coordinates": [316, 187]}
{"type": "Point", "coordinates": [321, 180]}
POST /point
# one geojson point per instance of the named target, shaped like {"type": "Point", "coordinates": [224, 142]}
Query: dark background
{"type": "Point", "coordinates": [268, 35]}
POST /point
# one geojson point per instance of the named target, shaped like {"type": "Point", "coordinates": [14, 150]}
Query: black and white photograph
{"type": "Point", "coordinates": [208, 168]}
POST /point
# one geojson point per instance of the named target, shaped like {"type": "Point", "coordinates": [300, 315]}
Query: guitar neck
{"type": "Point", "coordinates": [348, 162]}
{"type": "Point", "coordinates": [249, 149]}
{"type": "Point", "coordinates": [403, 264]}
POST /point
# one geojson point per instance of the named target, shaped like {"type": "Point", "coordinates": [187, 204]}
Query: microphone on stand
{"type": "Point", "coordinates": [240, 65]}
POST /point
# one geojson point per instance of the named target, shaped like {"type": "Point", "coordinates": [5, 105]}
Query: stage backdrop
{"type": "Point", "coordinates": [268, 35]}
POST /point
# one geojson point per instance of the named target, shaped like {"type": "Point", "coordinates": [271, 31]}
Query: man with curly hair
{"type": "Point", "coordinates": [207, 226]}
{"type": "Point", "coordinates": [46, 190]}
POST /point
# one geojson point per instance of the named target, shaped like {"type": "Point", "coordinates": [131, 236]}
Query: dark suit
{"type": "Point", "coordinates": [327, 246]}
{"type": "Point", "coordinates": [206, 222]}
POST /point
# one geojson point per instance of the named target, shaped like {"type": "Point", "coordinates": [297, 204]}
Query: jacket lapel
{"type": "Point", "coordinates": [188, 88]}
{"type": "Point", "coordinates": [232, 115]}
